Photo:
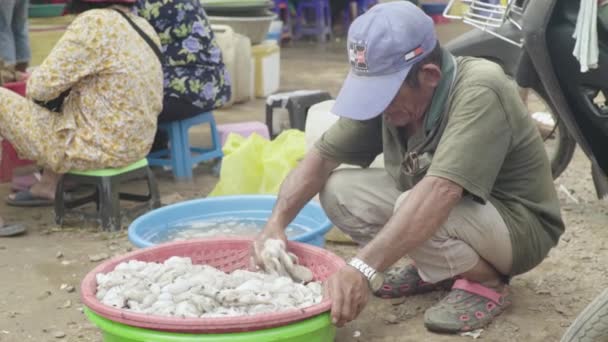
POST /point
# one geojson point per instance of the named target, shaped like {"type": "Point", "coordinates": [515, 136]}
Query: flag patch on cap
{"type": "Point", "coordinates": [414, 53]}
{"type": "Point", "coordinates": [357, 55]}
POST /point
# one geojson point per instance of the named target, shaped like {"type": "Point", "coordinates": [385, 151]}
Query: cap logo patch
{"type": "Point", "coordinates": [357, 55]}
{"type": "Point", "coordinates": [414, 53]}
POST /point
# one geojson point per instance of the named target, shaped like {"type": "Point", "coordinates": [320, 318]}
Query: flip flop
{"type": "Point", "coordinates": [469, 306]}
{"type": "Point", "coordinates": [12, 230]}
{"type": "Point", "coordinates": [405, 281]}
{"type": "Point", "coordinates": [27, 199]}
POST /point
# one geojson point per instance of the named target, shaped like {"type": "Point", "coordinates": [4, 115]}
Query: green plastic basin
{"type": "Point", "coordinates": [316, 329]}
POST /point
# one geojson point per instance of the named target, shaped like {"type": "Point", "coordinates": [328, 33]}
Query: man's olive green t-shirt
{"type": "Point", "coordinates": [490, 147]}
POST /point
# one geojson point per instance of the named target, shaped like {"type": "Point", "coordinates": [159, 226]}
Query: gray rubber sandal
{"type": "Point", "coordinates": [405, 281]}
{"type": "Point", "coordinates": [12, 230]}
{"type": "Point", "coordinates": [469, 306]}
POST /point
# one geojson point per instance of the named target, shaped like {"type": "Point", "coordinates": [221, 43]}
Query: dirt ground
{"type": "Point", "coordinates": [33, 268]}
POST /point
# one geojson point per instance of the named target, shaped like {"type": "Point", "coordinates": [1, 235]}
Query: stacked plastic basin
{"type": "Point", "coordinates": [298, 325]}
{"type": "Point", "coordinates": [227, 253]}
{"type": "Point", "coordinates": [251, 18]}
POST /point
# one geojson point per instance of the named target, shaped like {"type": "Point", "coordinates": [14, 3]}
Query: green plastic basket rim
{"type": "Point", "coordinates": [298, 329]}
{"type": "Point", "coordinates": [112, 172]}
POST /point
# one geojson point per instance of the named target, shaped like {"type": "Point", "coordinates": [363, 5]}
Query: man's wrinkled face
{"type": "Point", "coordinates": [412, 101]}
{"type": "Point", "coordinates": [408, 105]}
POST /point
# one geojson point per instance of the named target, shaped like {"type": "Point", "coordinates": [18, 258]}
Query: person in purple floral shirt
{"type": "Point", "coordinates": [196, 79]}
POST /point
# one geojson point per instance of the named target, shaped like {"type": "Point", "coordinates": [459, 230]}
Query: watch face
{"type": "Point", "coordinates": [376, 282]}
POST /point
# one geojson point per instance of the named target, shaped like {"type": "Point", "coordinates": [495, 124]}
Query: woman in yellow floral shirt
{"type": "Point", "coordinates": [93, 103]}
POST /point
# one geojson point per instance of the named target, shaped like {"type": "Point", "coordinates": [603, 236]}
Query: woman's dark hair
{"type": "Point", "coordinates": [79, 6]}
{"type": "Point", "coordinates": [432, 58]}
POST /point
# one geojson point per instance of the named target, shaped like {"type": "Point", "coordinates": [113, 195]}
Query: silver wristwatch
{"type": "Point", "coordinates": [374, 278]}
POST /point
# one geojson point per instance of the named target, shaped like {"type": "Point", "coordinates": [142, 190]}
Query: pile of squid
{"type": "Point", "coordinates": [179, 288]}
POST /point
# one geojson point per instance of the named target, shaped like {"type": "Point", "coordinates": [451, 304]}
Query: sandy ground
{"type": "Point", "coordinates": [34, 307]}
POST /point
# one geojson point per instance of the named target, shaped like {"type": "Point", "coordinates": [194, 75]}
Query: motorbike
{"type": "Point", "coordinates": [532, 41]}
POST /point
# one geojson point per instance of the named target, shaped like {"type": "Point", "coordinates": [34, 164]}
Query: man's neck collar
{"type": "Point", "coordinates": [443, 90]}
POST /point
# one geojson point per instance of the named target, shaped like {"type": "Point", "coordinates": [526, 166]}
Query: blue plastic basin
{"type": "Point", "coordinates": [151, 229]}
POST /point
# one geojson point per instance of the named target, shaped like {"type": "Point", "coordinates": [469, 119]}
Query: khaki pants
{"type": "Point", "coordinates": [360, 202]}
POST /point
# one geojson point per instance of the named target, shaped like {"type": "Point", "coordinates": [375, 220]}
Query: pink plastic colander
{"type": "Point", "coordinates": [225, 254]}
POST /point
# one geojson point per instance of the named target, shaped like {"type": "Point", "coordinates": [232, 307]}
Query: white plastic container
{"type": "Point", "coordinates": [267, 66]}
{"type": "Point", "coordinates": [236, 54]}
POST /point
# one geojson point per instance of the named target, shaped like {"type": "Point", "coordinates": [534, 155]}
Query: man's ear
{"type": "Point", "coordinates": [430, 75]}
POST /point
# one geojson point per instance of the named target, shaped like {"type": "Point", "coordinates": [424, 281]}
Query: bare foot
{"type": "Point", "coordinates": [43, 190]}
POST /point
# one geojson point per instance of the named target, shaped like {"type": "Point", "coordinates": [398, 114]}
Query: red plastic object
{"type": "Point", "coordinates": [227, 255]}
{"type": "Point", "coordinates": [439, 19]}
{"type": "Point", "coordinates": [10, 159]}
{"type": "Point", "coordinates": [17, 87]}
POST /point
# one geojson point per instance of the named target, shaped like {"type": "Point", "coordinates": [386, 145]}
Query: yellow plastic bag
{"type": "Point", "coordinates": [255, 165]}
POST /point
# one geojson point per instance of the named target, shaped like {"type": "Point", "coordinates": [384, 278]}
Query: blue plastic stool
{"type": "Point", "coordinates": [180, 154]}
{"type": "Point", "coordinates": [313, 19]}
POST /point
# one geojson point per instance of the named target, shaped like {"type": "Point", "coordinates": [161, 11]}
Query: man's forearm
{"type": "Point", "coordinates": [300, 186]}
{"type": "Point", "coordinates": [414, 222]}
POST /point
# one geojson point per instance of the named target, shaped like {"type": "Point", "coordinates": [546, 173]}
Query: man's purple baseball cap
{"type": "Point", "coordinates": [383, 45]}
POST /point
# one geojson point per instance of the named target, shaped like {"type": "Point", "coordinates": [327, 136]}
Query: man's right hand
{"type": "Point", "coordinates": [269, 232]}
{"type": "Point", "coordinates": [300, 186]}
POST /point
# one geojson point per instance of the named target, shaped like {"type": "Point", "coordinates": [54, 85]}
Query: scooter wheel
{"type": "Point", "coordinates": [561, 154]}
{"type": "Point", "coordinates": [565, 151]}
{"type": "Point", "coordinates": [592, 324]}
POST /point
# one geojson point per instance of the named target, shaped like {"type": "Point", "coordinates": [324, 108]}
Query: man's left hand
{"type": "Point", "coordinates": [349, 292]}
